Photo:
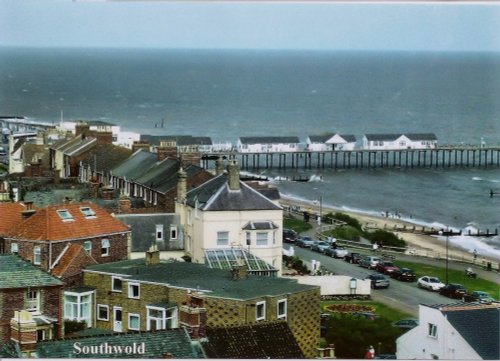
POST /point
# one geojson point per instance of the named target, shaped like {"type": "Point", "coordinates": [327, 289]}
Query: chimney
{"type": "Point", "coordinates": [181, 185]}
{"type": "Point", "coordinates": [23, 330]}
{"type": "Point", "coordinates": [193, 316]}
{"type": "Point", "coordinates": [152, 255]}
{"type": "Point", "coordinates": [167, 149]}
{"type": "Point", "coordinates": [219, 166]}
{"type": "Point", "coordinates": [29, 211]}
{"type": "Point", "coordinates": [234, 176]}
{"type": "Point", "coordinates": [141, 144]}
{"type": "Point", "coordinates": [83, 129]}
{"type": "Point", "coordinates": [125, 204]}
{"type": "Point", "coordinates": [239, 271]}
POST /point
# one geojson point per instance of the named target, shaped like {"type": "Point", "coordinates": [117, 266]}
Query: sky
{"type": "Point", "coordinates": [372, 25]}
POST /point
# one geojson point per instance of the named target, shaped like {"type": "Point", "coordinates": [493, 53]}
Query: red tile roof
{"type": "Point", "coordinates": [73, 254]}
{"type": "Point", "coordinates": [10, 216]}
{"type": "Point", "coordinates": [48, 224]}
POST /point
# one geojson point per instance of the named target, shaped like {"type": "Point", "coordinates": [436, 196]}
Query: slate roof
{"type": "Point", "coordinates": [260, 341]}
{"type": "Point", "coordinates": [269, 140]}
{"type": "Point", "coordinates": [480, 327]}
{"type": "Point", "coordinates": [18, 273]}
{"type": "Point", "coordinates": [157, 344]}
{"type": "Point", "coordinates": [10, 349]}
{"type": "Point", "coordinates": [411, 136]}
{"type": "Point", "coordinates": [105, 157]}
{"type": "Point", "coordinates": [46, 224]}
{"type": "Point", "coordinates": [195, 276]}
{"type": "Point", "coordinates": [323, 138]}
{"type": "Point", "coordinates": [75, 146]}
{"type": "Point", "coordinates": [215, 195]}
{"type": "Point", "coordinates": [259, 225]}
{"type": "Point", "coordinates": [158, 172]}
{"type": "Point", "coordinates": [11, 215]}
{"type": "Point", "coordinates": [138, 163]}
{"type": "Point", "coordinates": [143, 227]}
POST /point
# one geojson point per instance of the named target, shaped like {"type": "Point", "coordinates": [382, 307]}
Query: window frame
{"type": "Point", "coordinates": [14, 248]}
{"type": "Point", "coordinates": [105, 245]}
{"type": "Point", "coordinates": [130, 287]}
{"type": "Point", "coordinates": [259, 241]}
{"type": "Point", "coordinates": [98, 309]}
{"type": "Point", "coordinates": [113, 289]}
{"type": "Point", "coordinates": [65, 215]}
{"type": "Point", "coordinates": [260, 308]}
{"type": "Point", "coordinates": [164, 319]}
{"type": "Point", "coordinates": [87, 246]}
{"type": "Point", "coordinates": [284, 315]}
{"type": "Point", "coordinates": [432, 330]}
{"type": "Point", "coordinates": [33, 301]}
{"type": "Point", "coordinates": [79, 307]}
{"type": "Point", "coordinates": [37, 255]}
{"type": "Point", "coordinates": [221, 241]}
{"type": "Point", "coordinates": [174, 231]}
{"type": "Point", "coordinates": [138, 316]}
{"type": "Point", "coordinates": [159, 232]}
{"type": "Point", "coordinates": [87, 212]}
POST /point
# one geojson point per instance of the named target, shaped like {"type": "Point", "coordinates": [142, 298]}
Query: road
{"type": "Point", "coordinates": [404, 296]}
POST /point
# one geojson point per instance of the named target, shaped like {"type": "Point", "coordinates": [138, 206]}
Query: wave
{"type": "Point", "coordinates": [479, 179]}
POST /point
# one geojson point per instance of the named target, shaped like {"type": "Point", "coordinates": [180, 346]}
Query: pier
{"type": "Point", "coordinates": [21, 124]}
{"type": "Point", "coordinates": [441, 157]}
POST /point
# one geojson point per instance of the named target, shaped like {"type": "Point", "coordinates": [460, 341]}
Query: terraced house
{"type": "Point", "coordinates": [149, 294]}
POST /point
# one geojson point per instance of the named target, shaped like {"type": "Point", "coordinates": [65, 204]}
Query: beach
{"type": "Point", "coordinates": [418, 244]}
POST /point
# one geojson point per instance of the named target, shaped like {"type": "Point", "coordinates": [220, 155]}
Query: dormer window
{"type": "Point", "coordinates": [64, 214]}
{"type": "Point", "coordinates": [87, 212]}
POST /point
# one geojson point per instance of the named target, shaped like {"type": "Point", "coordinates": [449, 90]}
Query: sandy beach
{"type": "Point", "coordinates": [419, 244]}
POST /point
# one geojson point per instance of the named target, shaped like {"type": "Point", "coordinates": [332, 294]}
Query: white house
{"type": "Point", "coordinates": [331, 142]}
{"type": "Point", "coordinates": [267, 144]}
{"type": "Point", "coordinates": [225, 219]}
{"type": "Point", "coordinates": [465, 331]}
{"type": "Point", "coordinates": [399, 141]}
{"type": "Point", "coordinates": [16, 154]}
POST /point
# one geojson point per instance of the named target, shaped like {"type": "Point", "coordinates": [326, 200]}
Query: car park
{"type": "Point", "coordinates": [385, 267]}
{"type": "Point", "coordinates": [289, 235]}
{"type": "Point", "coordinates": [406, 324]}
{"type": "Point", "coordinates": [478, 296]}
{"type": "Point", "coordinates": [403, 274]}
{"type": "Point", "coordinates": [353, 257]}
{"type": "Point", "coordinates": [320, 246]}
{"type": "Point", "coordinates": [304, 241]}
{"type": "Point", "coordinates": [453, 290]}
{"type": "Point", "coordinates": [430, 283]}
{"type": "Point", "coordinates": [378, 281]}
{"type": "Point", "coordinates": [369, 262]}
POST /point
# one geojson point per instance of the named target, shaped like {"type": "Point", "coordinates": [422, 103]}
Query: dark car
{"type": "Point", "coordinates": [353, 257]}
{"type": "Point", "coordinates": [385, 267]}
{"type": "Point", "coordinates": [304, 241]}
{"type": "Point", "coordinates": [365, 315]}
{"type": "Point", "coordinates": [478, 296]}
{"type": "Point", "coordinates": [404, 274]}
{"type": "Point", "coordinates": [378, 281]}
{"type": "Point", "coordinates": [320, 246]}
{"type": "Point", "coordinates": [406, 324]}
{"type": "Point", "coordinates": [453, 290]}
{"type": "Point", "coordinates": [289, 235]}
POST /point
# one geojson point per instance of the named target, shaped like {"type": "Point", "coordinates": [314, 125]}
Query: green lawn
{"type": "Point", "coordinates": [298, 225]}
{"type": "Point", "coordinates": [454, 276]}
{"type": "Point", "coordinates": [379, 309]}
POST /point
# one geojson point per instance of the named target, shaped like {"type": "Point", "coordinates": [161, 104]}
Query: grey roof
{"type": "Point", "coordinates": [480, 327]}
{"type": "Point", "coordinates": [269, 140]}
{"type": "Point", "coordinates": [259, 341]}
{"type": "Point", "coordinates": [348, 137]}
{"type": "Point", "coordinates": [135, 165]}
{"type": "Point", "coordinates": [157, 344]}
{"type": "Point", "coordinates": [195, 276]}
{"type": "Point", "coordinates": [153, 176]}
{"type": "Point", "coordinates": [259, 225]}
{"type": "Point", "coordinates": [215, 195]}
{"type": "Point", "coordinates": [98, 123]}
{"type": "Point", "coordinates": [18, 273]}
{"type": "Point", "coordinates": [143, 227]}
{"type": "Point", "coordinates": [181, 140]}
{"type": "Point", "coordinates": [323, 138]}
{"type": "Point", "coordinates": [411, 136]}
{"type": "Point", "coordinates": [106, 156]}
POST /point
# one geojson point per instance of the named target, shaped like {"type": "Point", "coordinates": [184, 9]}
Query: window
{"type": "Point", "coordinates": [14, 248]}
{"type": "Point", "coordinates": [87, 212]}
{"type": "Point", "coordinates": [103, 312]}
{"type": "Point", "coordinates": [159, 232]}
{"type": "Point", "coordinates": [260, 311]}
{"type": "Point", "coordinates": [37, 255]}
{"type": "Point", "coordinates": [33, 300]}
{"type": "Point", "coordinates": [249, 238]}
{"type": "Point", "coordinates": [261, 238]}
{"type": "Point", "coordinates": [222, 238]}
{"type": "Point", "coordinates": [65, 215]}
{"type": "Point", "coordinates": [77, 307]}
{"type": "Point", "coordinates": [133, 290]}
{"type": "Point", "coordinates": [161, 318]}
{"type": "Point", "coordinates": [116, 284]}
{"type": "Point", "coordinates": [190, 217]}
{"type": "Point", "coordinates": [432, 330]}
{"type": "Point", "coordinates": [282, 309]}
{"type": "Point", "coordinates": [274, 237]}
{"type": "Point", "coordinates": [87, 246]}
{"type": "Point", "coordinates": [105, 247]}
{"type": "Point", "coordinates": [173, 232]}
{"type": "Point", "coordinates": [134, 321]}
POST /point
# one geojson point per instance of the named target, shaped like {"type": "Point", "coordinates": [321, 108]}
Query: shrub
{"type": "Point", "coordinates": [353, 222]}
{"type": "Point", "coordinates": [384, 238]}
{"type": "Point", "coordinates": [74, 326]}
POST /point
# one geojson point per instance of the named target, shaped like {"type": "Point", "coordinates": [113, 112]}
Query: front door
{"type": "Point", "coordinates": [117, 317]}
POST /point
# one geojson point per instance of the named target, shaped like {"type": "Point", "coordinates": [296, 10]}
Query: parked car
{"type": "Point", "coordinates": [304, 241]}
{"type": "Point", "coordinates": [339, 252]}
{"type": "Point", "coordinates": [289, 235]}
{"type": "Point", "coordinates": [430, 283]}
{"type": "Point", "coordinates": [365, 315]}
{"type": "Point", "coordinates": [378, 281]}
{"type": "Point", "coordinates": [478, 296]}
{"type": "Point", "coordinates": [353, 257]}
{"type": "Point", "coordinates": [403, 274]}
{"type": "Point", "coordinates": [385, 356]}
{"type": "Point", "coordinates": [385, 267]}
{"type": "Point", "coordinates": [320, 246]}
{"type": "Point", "coordinates": [407, 324]}
{"type": "Point", "coordinates": [369, 262]}
{"type": "Point", "coordinates": [453, 290]}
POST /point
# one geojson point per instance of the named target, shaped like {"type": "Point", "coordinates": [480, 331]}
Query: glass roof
{"type": "Point", "coordinates": [226, 258]}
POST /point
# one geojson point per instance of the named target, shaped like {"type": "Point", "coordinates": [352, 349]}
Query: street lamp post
{"type": "Point", "coordinates": [320, 219]}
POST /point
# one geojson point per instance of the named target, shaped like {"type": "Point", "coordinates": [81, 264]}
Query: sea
{"type": "Point", "coordinates": [225, 94]}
